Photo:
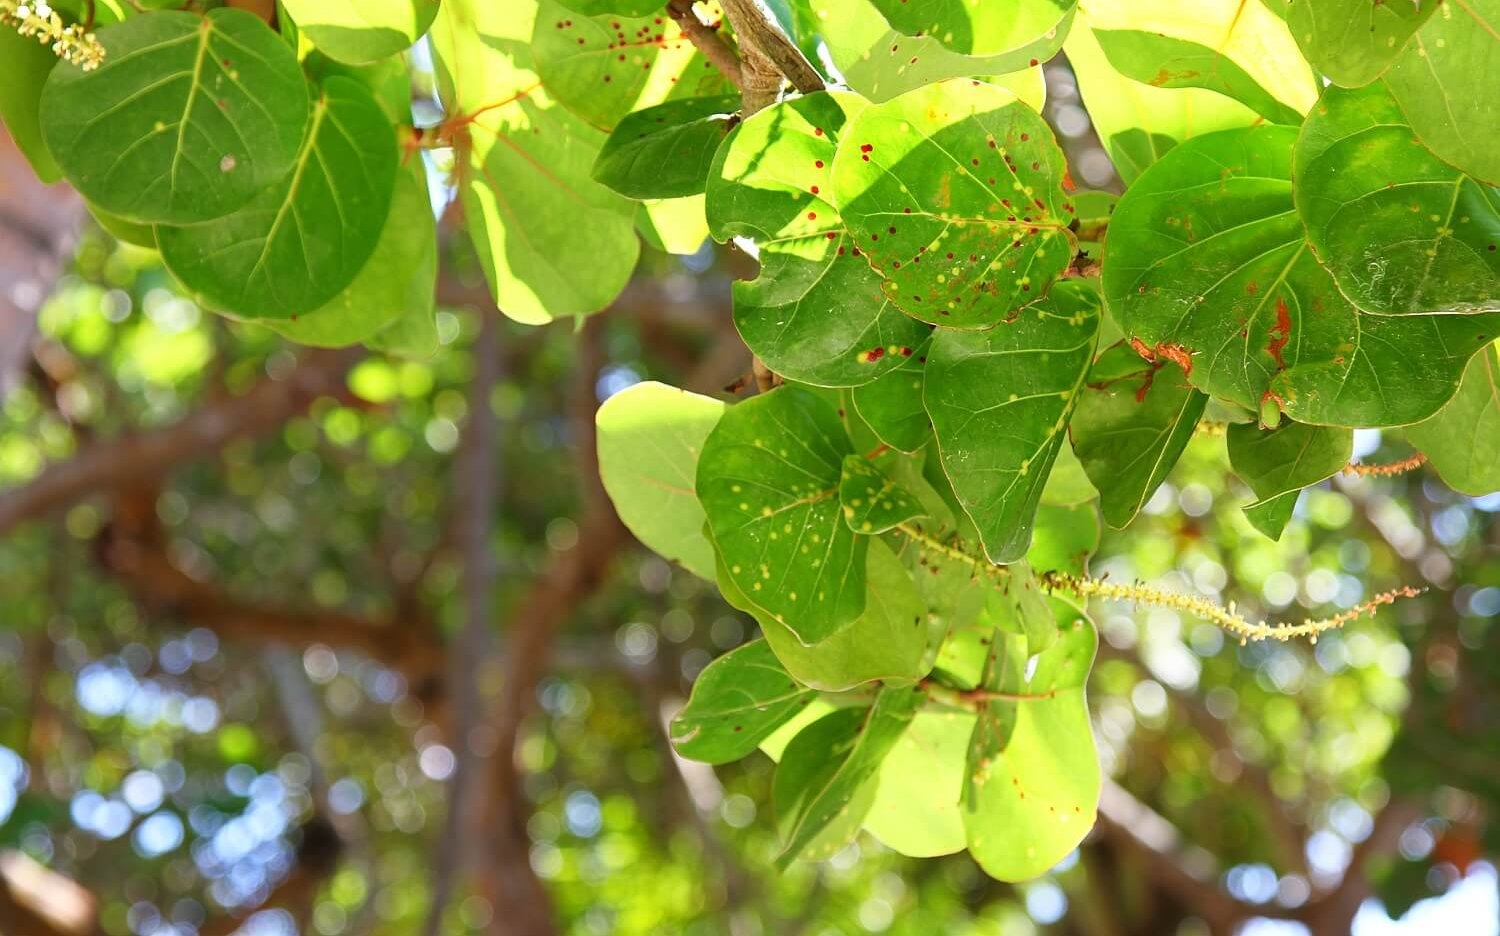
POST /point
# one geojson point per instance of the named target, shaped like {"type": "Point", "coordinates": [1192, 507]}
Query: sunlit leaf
{"type": "Point", "coordinates": [1000, 402]}
{"type": "Point", "coordinates": [954, 192]}
{"type": "Point", "coordinates": [1463, 440]}
{"type": "Point", "coordinates": [359, 31]}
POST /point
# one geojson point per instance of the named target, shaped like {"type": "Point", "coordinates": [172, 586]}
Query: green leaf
{"type": "Point", "coordinates": [816, 312]}
{"type": "Point", "coordinates": [768, 480]}
{"type": "Point", "coordinates": [825, 782]}
{"type": "Point", "coordinates": [1019, 607]}
{"type": "Point", "coordinates": [1463, 440]}
{"type": "Point", "coordinates": [915, 811]}
{"type": "Point", "coordinates": [1353, 41]}
{"type": "Point", "coordinates": [1138, 123]}
{"type": "Point", "coordinates": [1166, 62]}
{"type": "Point", "coordinates": [1207, 266]}
{"type": "Point", "coordinates": [1033, 775]}
{"type": "Point", "coordinates": [738, 701]}
{"type": "Point", "coordinates": [553, 242]}
{"type": "Point", "coordinates": [187, 119]}
{"type": "Point", "coordinates": [650, 439]}
{"type": "Point", "coordinates": [131, 232]}
{"type": "Point", "coordinates": [665, 151]}
{"type": "Point", "coordinates": [1448, 84]}
{"type": "Point", "coordinates": [880, 62]}
{"type": "Point", "coordinates": [299, 243]}
{"type": "Point", "coordinates": [892, 403]}
{"type": "Point", "coordinates": [1270, 516]}
{"type": "Point", "coordinates": [361, 31]}
{"type": "Point", "coordinates": [962, 176]}
{"type": "Point", "coordinates": [1000, 402]}
{"type": "Point", "coordinates": [674, 225]}
{"type": "Point", "coordinates": [1064, 537]}
{"type": "Point", "coordinates": [874, 502]}
{"type": "Point", "coordinates": [24, 67]}
{"type": "Point", "coordinates": [616, 7]}
{"type": "Point", "coordinates": [977, 28]}
{"type": "Point", "coordinates": [1068, 485]}
{"type": "Point", "coordinates": [604, 67]}
{"type": "Point", "coordinates": [1400, 230]}
{"type": "Point", "coordinates": [1287, 458]}
{"type": "Point", "coordinates": [885, 642]}
{"type": "Point", "coordinates": [399, 279]}
{"type": "Point", "coordinates": [1133, 423]}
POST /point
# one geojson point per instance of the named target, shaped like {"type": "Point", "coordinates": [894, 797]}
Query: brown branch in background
{"type": "Point", "coordinates": [1410, 463]}
{"type": "Point", "coordinates": [476, 489]}
{"type": "Point", "coordinates": [143, 568]}
{"type": "Point", "coordinates": [707, 40]}
{"type": "Point", "coordinates": [117, 464]}
{"type": "Point", "coordinates": [523, 904]}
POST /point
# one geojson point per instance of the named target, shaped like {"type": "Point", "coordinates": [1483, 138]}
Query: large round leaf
{"type": "Point", "coordinates": [816, 313]}
{"type": "Point", "coordinates": [1206, 265]}
{"type": "Point", "coordinates": [737, 702]}
{"type": "Point", "coordinates": [1034, 777]}
{"type": "Point", "coordinates": [1353, 41]}
{"type": "Point", "coordinates": [604, 67]}
{"type": "Point", "coordinates": [397, 280]}
{"type": "Point", "coordinates": [1400, 230]}
{"type": "Point", "coordinates": [360, 31]}
{"type": "Point", "coordinates": [1000, 402]}
{"type": "Point", "coordinates": [552, 241]}
{"type": "Point", "coordinates": [915, 811]}
{"type": "Point", "coordinates": [650, 438]}
{"type": "Point", "coordinates": [955, 194]}
{"type": "Point", "coordinates": [300, 242]}
{"type": "Point", "coordinates": [1448, 83]}
{"type": "Point", "coordinates": [188, 118]}
{"type": "Point", "coordinates": [768, 480]}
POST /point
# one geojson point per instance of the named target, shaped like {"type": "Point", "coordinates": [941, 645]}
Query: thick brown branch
{"type": "Point", "coordinates": [766, 56]}
{"type": "Point", "coordinates": [121, 463]}
{"type": "Point", "coordinates": [707, 40]}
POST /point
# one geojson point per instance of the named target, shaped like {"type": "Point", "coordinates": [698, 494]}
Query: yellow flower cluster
{"type": "Point", "coordinates": [69, 41]}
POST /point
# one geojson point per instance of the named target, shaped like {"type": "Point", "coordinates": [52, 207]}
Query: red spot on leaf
{"type": "Point", "coordinates": [1281, 332]}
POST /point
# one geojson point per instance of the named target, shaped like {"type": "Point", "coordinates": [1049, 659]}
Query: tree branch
{"type": "Point", "coordinates": [478, 483]}
{"type": "Point", "coordinates": [707, 40]}
{"type": "Point", "coordinates": [145, 457]}
{"type": "Point", "coordinates": [766, 56]}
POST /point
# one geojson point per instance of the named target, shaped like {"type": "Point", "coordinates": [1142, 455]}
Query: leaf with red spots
{"type": "Point", "coordinates": [1213, 219]}
{"type": "Point", "coordinates": [816, 312]}
{"type": "Point", "coordinates": [892, 405]}
{"type": "Point", "coordinates": [1033, 780]}
{"type": "Point", "coordinates": [881, 63]}
{"type": "Point", "coordinates": [1400, 230]}
{"type": "Point", "coordinates": [604, 67]}
{"type": "Point", "coordinates": [1000, 401]}
{"type": "Point", "coordinates": [954, 193]}
{"type": "Point", "coordinates": [616, 7]}
{"type": "Point", "coordinates": [552, 242]}
{"type": "Point", "coordinates": [1133, 423]}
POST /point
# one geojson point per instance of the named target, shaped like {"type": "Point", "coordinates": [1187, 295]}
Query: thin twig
{"type": "Point", "coordinates": [707, 40]}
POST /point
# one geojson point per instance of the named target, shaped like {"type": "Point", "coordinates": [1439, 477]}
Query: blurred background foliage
{"type": "Point", "coordinates": [205, 750]}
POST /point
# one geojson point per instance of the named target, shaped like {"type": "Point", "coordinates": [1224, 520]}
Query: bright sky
{"type": "Point", "coordinates": [1470, 908]}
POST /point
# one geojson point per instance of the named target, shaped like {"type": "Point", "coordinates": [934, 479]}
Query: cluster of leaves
{"type": "Point", "coordinates": [959, 388]}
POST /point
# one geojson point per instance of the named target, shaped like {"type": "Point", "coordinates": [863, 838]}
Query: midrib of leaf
{"type": "Point", "coordinates": [303, 160]}
{"type": "Point", "coordinates": [196, 83]}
